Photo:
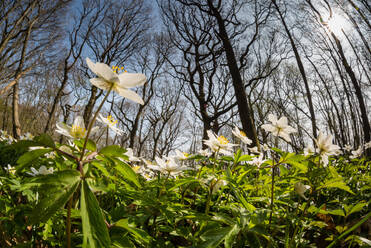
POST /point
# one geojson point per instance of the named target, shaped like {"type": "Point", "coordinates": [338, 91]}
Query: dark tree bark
{"type": "Point", "coordinates": [301, 69]}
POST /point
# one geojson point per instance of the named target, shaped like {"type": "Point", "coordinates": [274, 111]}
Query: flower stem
{"type": "Point", "coordinates": [272, 196]}
{"type": "Point", "coordinates": [91, 125]}
{"type": "Point", "coordinates": [68, 225]}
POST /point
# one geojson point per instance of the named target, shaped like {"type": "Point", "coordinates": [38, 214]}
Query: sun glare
{"type": "Point", "coordinates": [337, 23]}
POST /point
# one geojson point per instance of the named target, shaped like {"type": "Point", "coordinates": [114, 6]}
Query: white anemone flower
{"type": "Point", "coordinates": [241, 135]}
{"type": "Point", "coordinates": [42, 171]}
{"type": "Point", "coordinates": [308, 151]}
{"type": "Point", "coordinates": [254, 150]}
{"type": "Point", "coordinates": [76, 131]}
{"type": "Point", "coordinates": [301, 189]}
{"type": "Point", "coordinates": [348, 148]}
{"type": "Point", "coordinates": [258, 161]}
{"type": "Point", "coordinates": [220, 183]}
{"type": "Point", "coordinates": [129, 152]}
{"type": "Point", "coordinates": [168, 166]}
{"type": "Point", "coordinates": [357, 153]}
{"type": "Point", "coordinates": [120, 83]}
{"type": "Point", "coordinates": [10, 169]}
{"type": "Point", "coordinates": [325, 147]}
{"type": "Point", "coordinates": [181, 155]}
{"type": "Point", "coordinates": [27, 136]}
{"type": "Point", "coordinates": [111, 123]}
{"type": "Point", "coordinates": [265, 147]}
{"type": "Point", "coordinates": [367, 145]}
{"type": "Point", "coordinates": [205, 152]}
{"type": "Point", "coordinates": [279, 127]}
{"type": "Point", "coordinates": [219, 143]}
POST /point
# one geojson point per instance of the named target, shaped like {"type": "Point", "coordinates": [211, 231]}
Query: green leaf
{"type": "Point", "coordinates": [298, 165]}
{"type": "Point", "coordinates": [336, 183]}
{"type": "Point", "coordinates": [246, 205]}
{"type": "Point", "coordinates": [30, 156]}
{"type": "Point", "coordinates": [215, 236]}
{"type": "Point", "coordinates": [136, 232]}
{"type": "Point", "coordinates": [55, 198]}
{"type": "Point", "coordinates": [90, 145]}
{"type": "Point", "coordinates": [230, 237]}
{"type": "Point", "coordinates": [357, 208]}
{"type": "Point", "coordinates": [112, 151]}
{"type": "Point", "coordinates": [183, 181]}
{"type": "Point", "coordinates": [59, 178]}
{"type": "Point", "coordinates": [127, 172]}
{"type": "Point", "coordinates": [244, 158]}
{"type": "Point", "coordinates": [45, 140]}
{"type": "Point", "coordinates": [93, 226]}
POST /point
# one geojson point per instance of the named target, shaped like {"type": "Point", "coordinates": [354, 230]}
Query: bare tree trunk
{"type": "Point", "coordinates": [57, 97]}
{"type": "Point", "coordinates": [302, 71]}
{"type": "Point", "coordinates": [16, 127]}
{"type": "Point", "coordinates": [365, 122]}
{"type": "Point", "coordinates": [244, 110]}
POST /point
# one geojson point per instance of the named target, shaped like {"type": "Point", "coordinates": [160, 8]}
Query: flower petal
{"type": "Point", "coordinates": [100, 83]}
{"type": "Point", "coordinates": [79, 122]}
{"type": "Point", "coordinates": [128, 80]}
{"type": "Point", "coordinates": [103, 71]}
{"type": "Point", "coordinates": [272, 118]}
{"type": "Point", "coordinates": [129, 94]}
{"type": "Point", "coordinates": [63, 129]}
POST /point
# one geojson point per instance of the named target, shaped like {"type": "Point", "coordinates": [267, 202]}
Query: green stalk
{"type": "Point", "coordinates": [68, 226]}
{"type": "Point", "coordinates": [272, 196]}
{"type": "Point", "coordinates": [91, 125]}
{"type": "Point", "coordinates": [350, 230]}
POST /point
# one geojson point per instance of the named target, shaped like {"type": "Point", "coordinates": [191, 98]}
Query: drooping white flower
{"type": "Point", "coordinates": [279, 127]}
{"type": "Point", "coordinates": [129, 152]}
{"type": "Point", "coordinates": [254, 150]}
{"type": "Point", "coordinates": [241, 135]}
{"type": "Point", "coordinates": [367, 145]}
{"type": "Point", "coordinates": [301, 189]}
{"type": "Point", "coordinates": [357, 153]}
{"type": "Point", "coordinates": [205, 152]}
{"type": "Point", "coordinates": [218, 143]}
{"type": "Point", "coordinates": [220, 183]}
{"type": "Point", "coordinates": [258, 161]}
{"type": "Point", "coordinates": [325, 147]}
{"type": "Point", "coordinates": [120, 82]}
{"type": "Point", "coordinates": [168, 166]}
{"type": "Point", "coordinates": [309, 151]}
{"type": "Point", "coordinates": [265, 147]}
{"type": "Point", "coordinates": [42, 171]}
{"type": "Point", "coordinates": [111, 123]}
{"type": "Point", "coordinates": [76, 131]}
{"type": "Point", "coordinates": [10, 169]}
{"type": "Point", "coordinates": [348, 148]}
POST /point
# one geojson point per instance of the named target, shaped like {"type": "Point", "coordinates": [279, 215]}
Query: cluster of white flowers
{"type": "Point", "coordinates": [167, 166]}
{"type": "Point", "coordinates": [4, 136]}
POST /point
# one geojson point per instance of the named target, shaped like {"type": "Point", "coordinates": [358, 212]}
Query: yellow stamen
{"type": "Point", "coordinates": [223, 140]}
{"type": "Point", "coordinates": [136, 168]}
{"type": "Point", "coordinates": [78, 132]}
{"type": "Point", "coordinates": [111, 120]}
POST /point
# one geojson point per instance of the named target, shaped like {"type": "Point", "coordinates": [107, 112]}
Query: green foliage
{"type": "Point", "coordinates": [224, 202]}
{"type": "Point", "coordinates": [93, 225]}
